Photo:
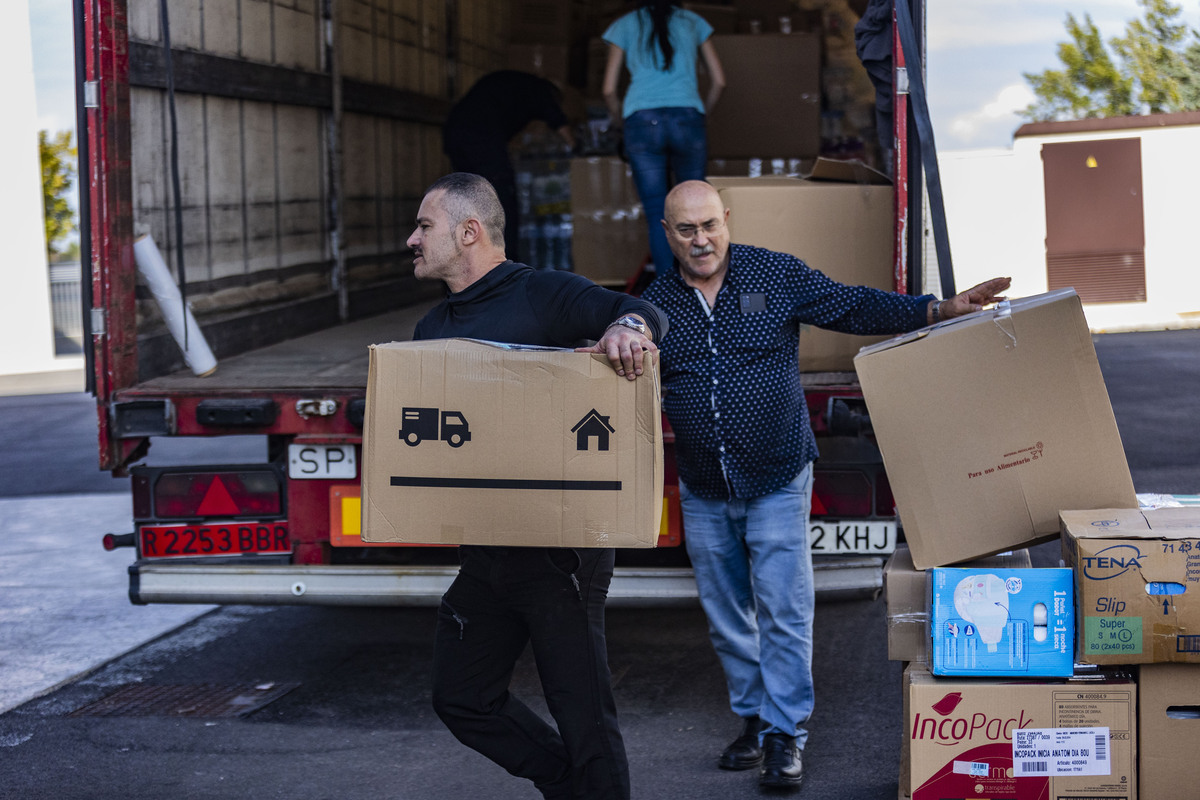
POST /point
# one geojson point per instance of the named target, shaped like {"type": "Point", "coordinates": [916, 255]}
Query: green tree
{"type": "Point", "coordinates": [58, 176]}
{"type": "Point", "coordinates": [1089, 85]}
{"type": "Point", "coordinates": [1150, 50]}
{"type": "Point", "coordinates": [1154, 68]}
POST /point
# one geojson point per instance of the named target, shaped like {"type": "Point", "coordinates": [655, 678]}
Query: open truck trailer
{"type": "Point", "coordinates": [277, 151]}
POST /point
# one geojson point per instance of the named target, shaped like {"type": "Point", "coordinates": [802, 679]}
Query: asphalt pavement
{"type": "Point", "coordinates": [65, 615]}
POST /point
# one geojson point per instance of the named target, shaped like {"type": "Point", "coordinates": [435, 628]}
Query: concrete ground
{"type": "Point", "coordinates": [64, 611]}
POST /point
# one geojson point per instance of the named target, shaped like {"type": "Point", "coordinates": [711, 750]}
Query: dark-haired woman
{"type": "Point", "coordinates": [665, 137]}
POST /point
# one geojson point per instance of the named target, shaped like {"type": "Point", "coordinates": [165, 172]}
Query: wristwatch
{"type": "Point", "coordinates": [936, 310]}
{"type": "Point", "coordinates": [633, 323]}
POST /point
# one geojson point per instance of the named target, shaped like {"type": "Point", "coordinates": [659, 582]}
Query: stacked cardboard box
{"type": "Point", "coordinates": [841, 226]}
{"type": "Point", "coordinates": [1168, 730]}
{"type": "Point", "coordinates": [608, 239]}
{"type": "Point", "coordinates": [1019, 740]}
{"type": "Point", "coordinates": [1023, 427]}
{"type": "Point", "coordinates": [906, 594]}
{"type": "Point", "coordinates": [1029, 432]}
{"type": "Point", "coordinates": [1137, 579]}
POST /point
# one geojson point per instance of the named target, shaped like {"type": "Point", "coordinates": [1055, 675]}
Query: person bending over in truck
{"type": "Point", "coordinates": [744, 450]}
{"type": "Point", "coordinates": [506, 597]}
{"type": "Point", "coordinates": [479, 126]}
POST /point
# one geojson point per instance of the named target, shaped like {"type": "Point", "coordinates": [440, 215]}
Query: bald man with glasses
{"type": "Point", "coordinates": [744, 449]}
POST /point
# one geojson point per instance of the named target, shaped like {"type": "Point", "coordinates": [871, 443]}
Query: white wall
{"type": "Point", "coordinates": [992, 221]}
{"type": "Point", "coordinates": [26, 329]}
{"type": "Point", "coordinates": [995, 213]}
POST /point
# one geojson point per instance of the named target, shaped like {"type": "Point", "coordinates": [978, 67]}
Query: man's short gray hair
{"type": "Point", "coordinates": [468, 195]}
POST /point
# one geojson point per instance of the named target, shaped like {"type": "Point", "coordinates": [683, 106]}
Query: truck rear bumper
{"type": "Point", "coordinates": [423, 586]}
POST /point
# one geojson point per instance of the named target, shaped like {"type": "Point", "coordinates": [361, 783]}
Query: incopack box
{"type": "Point", "coordinates": [843, 229]}
{"type": "Point", "coordinates": [1168, 730]}
{"type": "Point", "coordinates": [469, 442]}
{"type": "Point", "coordinates": [906, 596]}
{"type": "Point", "coordinates": [959, 737]}
{"type": "Point", "coordinates": [993, 622]}
{"type": "Point", "coordinates": [1137, 577]}
{"type": "Point", "coordinates": [990, 424]}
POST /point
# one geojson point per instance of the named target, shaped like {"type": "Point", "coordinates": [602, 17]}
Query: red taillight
{"type": "Point", "coordinates": [189, 495]}
{"type": "Point", "coordinates": [885, 503]}
{"type": "Point", "coordinates": [842, 494]}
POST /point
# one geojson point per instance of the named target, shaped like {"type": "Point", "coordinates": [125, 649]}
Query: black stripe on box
{"type": "Point", "coordinates": [502, 483]}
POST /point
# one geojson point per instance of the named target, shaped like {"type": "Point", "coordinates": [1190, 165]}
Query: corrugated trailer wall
{"type": "Point", "coordinates": [287, 184]}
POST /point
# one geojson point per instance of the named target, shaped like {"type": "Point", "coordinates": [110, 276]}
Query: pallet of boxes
{"type": "Point", "coordinates": [1080, 681]}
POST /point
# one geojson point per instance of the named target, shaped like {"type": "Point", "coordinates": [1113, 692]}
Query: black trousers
{"type": "Point", "coordinates": [552, 599]}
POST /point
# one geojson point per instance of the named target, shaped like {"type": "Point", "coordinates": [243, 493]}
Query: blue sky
{"type": "Point", "coordinates": [977, 50]}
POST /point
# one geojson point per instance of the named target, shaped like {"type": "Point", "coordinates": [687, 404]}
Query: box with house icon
{"type": "Point", "coordinates": [470, 442]}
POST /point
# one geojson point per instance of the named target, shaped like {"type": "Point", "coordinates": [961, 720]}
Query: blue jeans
{"type": "Point", "coordinates": [754, 574]}
{"type": "Point", "coordinates": [661, 144]}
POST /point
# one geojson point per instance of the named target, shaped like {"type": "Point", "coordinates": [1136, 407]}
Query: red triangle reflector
{"type": "Point", "coordinates": [817, 507]}
{"type": "Point", "coordinates": [217, 502]}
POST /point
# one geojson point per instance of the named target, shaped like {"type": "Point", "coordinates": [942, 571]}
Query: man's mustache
{"type": "Point", "coordinates": [702, 251]}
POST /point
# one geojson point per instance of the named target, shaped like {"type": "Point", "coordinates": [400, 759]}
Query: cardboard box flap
{"type": "Point", "coordinates": [845, 171]}
{"type": "Point", "coordinates": [1132, 523]}
{"type": "Point", "coordinates": [1000, 315]}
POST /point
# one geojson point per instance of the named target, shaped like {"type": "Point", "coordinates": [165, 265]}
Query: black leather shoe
{"type": "Point", "coordinates": [744, 751]}
{"type": "Point", "coordinates": [781, 767]}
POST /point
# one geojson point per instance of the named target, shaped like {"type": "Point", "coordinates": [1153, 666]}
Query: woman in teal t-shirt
{"type": "Point", "coordinates": [665, 137]}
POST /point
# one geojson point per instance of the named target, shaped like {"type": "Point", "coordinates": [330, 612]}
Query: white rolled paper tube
{"type": "Point", "coordinates": [150, 263]}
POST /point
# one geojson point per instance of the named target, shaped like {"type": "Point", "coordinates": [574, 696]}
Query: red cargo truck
{"type": "Point", "coordinates": [278, 159]}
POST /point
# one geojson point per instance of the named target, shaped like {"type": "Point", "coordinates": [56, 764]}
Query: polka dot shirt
{"type": "Point", "coordinates": [731, 376]}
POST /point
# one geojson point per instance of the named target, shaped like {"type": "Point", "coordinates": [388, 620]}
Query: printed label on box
{"type": "Point", "coordinates": [1040, 752]}
{"type": "Point", "coordinates": [977, 768]}
{"type": "Point", "coordinates": [1112, 635]}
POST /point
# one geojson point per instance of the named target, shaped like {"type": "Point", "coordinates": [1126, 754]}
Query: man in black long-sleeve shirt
{"type": "Point", "coordinates": [480, 125]}
{"type": "Point", "coordinates": [507, 597]}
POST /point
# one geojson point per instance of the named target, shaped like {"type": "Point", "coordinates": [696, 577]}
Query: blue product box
{"type": "Point", "coordinates": [989, 622]}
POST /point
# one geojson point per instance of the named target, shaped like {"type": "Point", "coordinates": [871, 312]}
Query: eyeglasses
{"type": "Point", "coordinates": [688, 232]}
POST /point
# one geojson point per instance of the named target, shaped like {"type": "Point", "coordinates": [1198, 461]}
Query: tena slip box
{"type": "Point", "coordinates": [1137, 576]}
{"type": "Point", "coordinates": [994, 622]}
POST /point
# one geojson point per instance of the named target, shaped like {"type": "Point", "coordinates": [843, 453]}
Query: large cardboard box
{"type": "Point", "coordinates": [990, 424]}
{"type": "Point", "coordinates": [772, 107]}
{"type": "Point", "coordinates": [992, 622]}
{"type": "Point", "coordinates": [906, 598]}
{"type": "Point", "coordinates": [469, 442]}
{"type": "Point", "coordinates": [609, 242]}
{"type": "Point", "coordinates": [959, 736]}
{"type": "Point", "coordinates": [842, 229]}
{"type": "Point", "coordinates": [1168, 730]}
{"type": "Point", "coordinates": [1137, 577]}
